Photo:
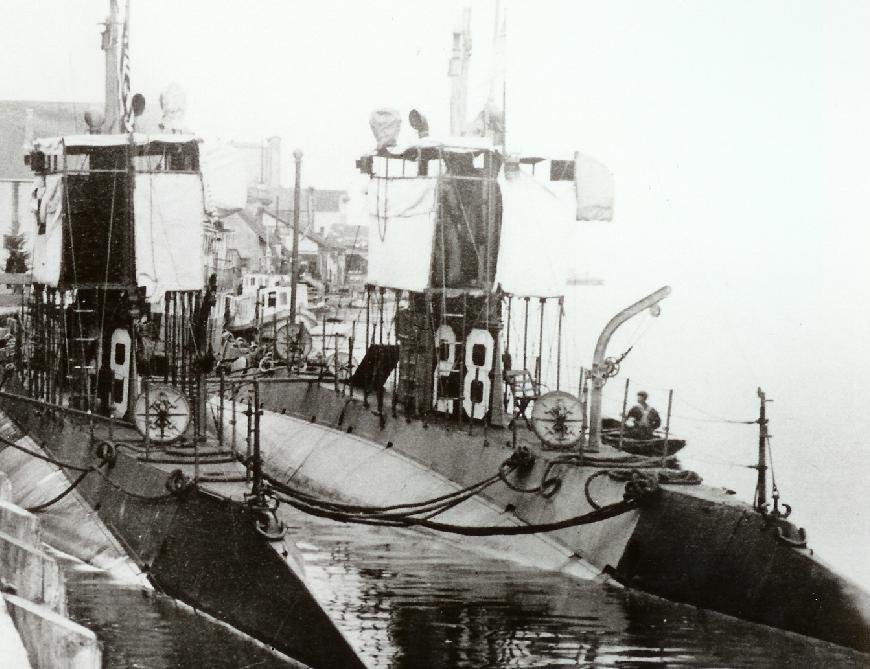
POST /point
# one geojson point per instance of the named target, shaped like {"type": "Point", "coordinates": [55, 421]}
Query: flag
{"type": "Point", "coordinates": [126, 100]}
{"type": "Point", "coordinates": [594, 184]}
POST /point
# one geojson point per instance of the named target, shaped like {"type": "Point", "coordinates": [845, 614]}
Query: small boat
{"type": "Point", "coordinates": [432, 428]}
{"type": "Point", "coordinates": [585, 279]}
{"type": "Point", "coordinates": [262, 307]}
{"type": "Point", "coordinates": [635, 446]}
{"type": "Point", "coordinates": [658, 445]}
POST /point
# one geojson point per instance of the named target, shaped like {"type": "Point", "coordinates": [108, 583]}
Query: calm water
{"type": "Point", "coordinates": [411, 600]}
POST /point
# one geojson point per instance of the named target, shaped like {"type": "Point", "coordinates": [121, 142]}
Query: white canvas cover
{"type": "Point", "coordinates": [47, 247]}
{"type": "Point", "coordinates": [385, 125]}
{"type": "Point", "coordinates": [402, 215]}
{"type": "Point", "coordinates": [465, 144]}
{"type": "Point", "coordinates": [594, 184]}
{"type": "Point", "coordinates": [223, 174]}
{"type": "Point", "coordinates": [533, 260]}
{"type": "Point", "coordinates": [52, 144]}
{"type": "Point", "coordinates": [169, 223]}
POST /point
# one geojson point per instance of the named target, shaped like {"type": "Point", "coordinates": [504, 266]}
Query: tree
{"type": "Point", "coordinates": [16, 263]}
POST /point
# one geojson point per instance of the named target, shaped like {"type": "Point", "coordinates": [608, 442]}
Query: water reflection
{"type": "Point", "coordinates": [411, 601]}
{"type": "Point", "coordinates": [142, 629]}
{"type": "Point", "coordinates": [406, 600]}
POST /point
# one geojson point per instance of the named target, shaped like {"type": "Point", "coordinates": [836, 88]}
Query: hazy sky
{"type": "Point", "coordinates": [739, 120]}
{"type": "Point", "coordinates": [736, 131]}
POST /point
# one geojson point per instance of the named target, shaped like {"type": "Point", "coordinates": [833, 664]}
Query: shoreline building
{"type": "Point", "coordinates": [20, 122]}
{"type": "Point", "coordinates": [254, 235]}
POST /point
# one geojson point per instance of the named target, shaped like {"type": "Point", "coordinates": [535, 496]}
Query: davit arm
{"type": "Point", "coordinates": [599, 367]}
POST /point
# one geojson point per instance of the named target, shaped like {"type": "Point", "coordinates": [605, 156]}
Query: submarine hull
{"type": "Point", "coordinates": [200, 547]}
{"type": "Point", "coordinates": [687, 543]}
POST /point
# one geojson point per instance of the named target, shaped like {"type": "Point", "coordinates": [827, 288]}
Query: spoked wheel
{"type": "Point", "coordinates": [162, 414]}
{"type": "Point", "coordinates": [557, 419]}
{"type": "Point", "coordinates": [292, 343]}
{"type": "Point", "coordinates": [339, 365]}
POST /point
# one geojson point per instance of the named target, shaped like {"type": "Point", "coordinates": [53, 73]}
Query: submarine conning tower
{"type": "Point", "coordinates": [459, 231]}
{"type": "Point", "coordinates": [118, 271]}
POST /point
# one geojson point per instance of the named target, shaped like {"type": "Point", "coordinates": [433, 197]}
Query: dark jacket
{"type": "Point", "coordinates": [653, 418]}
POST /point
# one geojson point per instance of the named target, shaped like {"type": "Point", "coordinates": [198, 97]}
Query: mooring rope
{"type": "Point", "coordinates": [83, 472]}
{"type": "Point", "coordinates": [41, 456]}
{"type": "Point", "coordinates": [40, 507]}
{"type": "Point", "coordinates": [394, 513]}
{"type": "Point", "coordinates": [420, 514]}
{"type": "Point", "coordinates": [598, 515]}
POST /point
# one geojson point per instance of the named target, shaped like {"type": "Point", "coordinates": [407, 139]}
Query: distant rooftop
{"type": "Point", "coordinates": [315, 237]}
{"type": "Point", "coordinates": [254, 223]}
{"type": "Point", "coordinates": [49, 119]}
{"type": "Point", "coordinates": [324, 200]}
{"type": "Point", "coordinates": [349, 236]}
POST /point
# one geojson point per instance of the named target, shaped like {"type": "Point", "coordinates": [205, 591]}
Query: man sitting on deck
{"type": "Point", "coordinates": [642, 419]}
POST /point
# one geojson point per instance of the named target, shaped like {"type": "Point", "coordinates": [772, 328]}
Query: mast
{"type": "Point", "coordinates": [294, 261]}
{"type": "Point", "coordinates": [110, 47]}
{"type": "Point", "coordinates": [458, 73]}
{"type": "Point", "coordinates": [761, 485]}
{"type": "Point", "coordinates": [113, 100]}
{"type": "Point", "coordinates": [125, 125]}
{"type": "Point", "coordinates": [495, 106]}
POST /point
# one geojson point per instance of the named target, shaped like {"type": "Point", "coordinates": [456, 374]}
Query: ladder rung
{"type": "Point", "coordinates": [453, 315]}
{"type": "Point", "coordinates": [83, 339]}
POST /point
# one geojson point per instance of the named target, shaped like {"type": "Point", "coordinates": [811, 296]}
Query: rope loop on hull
{"type": "Point", "coordinates": [177, 483]}
{"type": "Point", "coordinates": [640, 485]}
{"type": "Point", "coordinates": [107, 452]}
{"type": "Point", "coordinates": [589, 499]}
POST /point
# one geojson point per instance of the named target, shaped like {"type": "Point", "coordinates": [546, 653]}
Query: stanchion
{"type": "Point", "coordinates": [147, 389]}
{"type": "Point", "coordinates": [220, 425]}
{"type": "Point", "coordinates": [337, 363]}
{"type": "Point", "coordinates": [559, 346]}
{"type": "Point", "coordinates": [248, 444]}
{"type": "Point", "coordinates": [258, 469]}
{"type": "Point", "coordinates": [235, 445]}
{"type": "Point", "coordinates": [624, 407]}
{"type": "Point", "coordinates": [347, 387]}
{"type": "Point", "coordinates": [667, 427]}
{"type": "Point", "coordinates": [275, 329]}
{"type": "Point", "coordinates": [581, 395]}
